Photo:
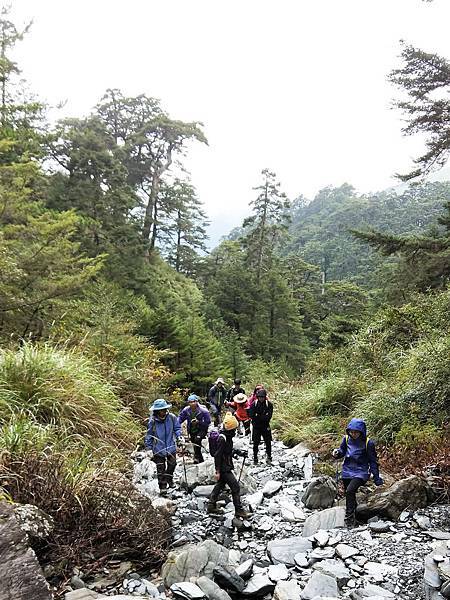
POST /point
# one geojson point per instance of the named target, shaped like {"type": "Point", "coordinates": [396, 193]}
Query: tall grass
{"type": "Point", "coordinates": [46, 392]}
{"type": "Point", "coordinates": [395, 374]}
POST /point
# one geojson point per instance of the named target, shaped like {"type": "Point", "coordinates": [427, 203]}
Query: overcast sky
{"type": "Point", "coordinates": [298, 86]}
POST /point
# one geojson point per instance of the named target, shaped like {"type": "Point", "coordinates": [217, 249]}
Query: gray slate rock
{"type": "Point", "coordinates": [188, 590]}
{"type": "Point", "coordinates": [320, 585]}
{"type": "Point", "coordinates": [284, 550]}
{"type": "Point", "coordinates": [21, 577]}
{"type": "Point", "coordinates": [372, 591]}
{"type": "Point", "coordinates": [287, 590]}
{"type": "Point", "coordinates": [320, 493]}
{"type": "Point", "coordinates": [330, 518]}
{"type": "Point", "coordinates": [271, 488]}
{"type": "Point", "coordinates": [211, 589]}
{"type": "Point", "coordinates": [203, 491]}
{"type": "Point", "coordinates": [334, 568]}
{"type": "Point", "coordinates": [194, 561]}
{"type": "Point", "coordinates": [245, 569]}
{"type": "Point", "coordinates": [258, 585]}
{"type": "Point", "coordinates": [278, 572]}
{"type": "Point", "coordinates": [345, 551]}
{"type": "Point", "coordinates": [228, 579]}
{"type": "Point", "coordinates": [410, 493]}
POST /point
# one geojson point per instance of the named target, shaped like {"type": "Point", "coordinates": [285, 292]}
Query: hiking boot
{"type": "Point", "coordinates": [241, 513]}
{"type": "Point", "coordinates": [212, 509]}
{"type": "Point", "coordinates": [350, 521]}
{"type": "Point", "coordinates": [163, 492]}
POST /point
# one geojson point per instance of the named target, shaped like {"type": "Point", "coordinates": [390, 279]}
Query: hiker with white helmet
{"type": "Point", "coordinates": [163, 435]}
{"type": "Point", "coordinates": [198, 420]}
{"type": "Point", "coordinates": [216, 398]}
{"type": "Point", "coordinates": [223, 461]}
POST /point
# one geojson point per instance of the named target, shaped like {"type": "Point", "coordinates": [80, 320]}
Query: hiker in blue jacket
{"type": "Point", "coordinates": [198, 420]}
{"type": "Point", "coordinates": [360, 460]}
{"type": "Point", "coordinates": [163, 435]}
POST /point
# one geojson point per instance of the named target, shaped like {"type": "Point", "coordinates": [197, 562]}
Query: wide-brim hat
{"type": "Point", "coordinates": [192, 398]}
{"type": "Point", "coordinates": [160, 404]}
{"type": "Point", "coordinates": [220, 380]}
{"type": "Point", "coordinates": [240, 398]}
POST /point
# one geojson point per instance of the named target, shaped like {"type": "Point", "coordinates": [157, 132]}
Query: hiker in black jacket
{"type": "Point", "coordinates": [260, 413]}
{"type": "Point", "coordinates": [223, 460]}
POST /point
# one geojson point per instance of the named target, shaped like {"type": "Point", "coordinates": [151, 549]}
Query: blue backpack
{"type": "Point", "coordinates": [213, 440]}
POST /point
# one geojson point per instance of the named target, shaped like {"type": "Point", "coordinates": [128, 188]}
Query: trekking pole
{"type": "Point", "coordinates": [185, 472]}
{"type": "Point", "coordinates": [242, 468]}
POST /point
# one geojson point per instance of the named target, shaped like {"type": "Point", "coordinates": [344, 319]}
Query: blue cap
{"type": "Point", "coordinates": [193, 398]}
{"type": "Point", "coordinates": [160, 404]}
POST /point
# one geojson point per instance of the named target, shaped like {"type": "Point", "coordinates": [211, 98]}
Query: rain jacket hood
{"type": "Point", "coordinates": [360, 458]}
{"type": "Point", "coordinates": [357, 425]}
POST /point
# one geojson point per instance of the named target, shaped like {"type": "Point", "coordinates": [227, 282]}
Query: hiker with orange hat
{"type": "Point", "coordinates": [223, 461]}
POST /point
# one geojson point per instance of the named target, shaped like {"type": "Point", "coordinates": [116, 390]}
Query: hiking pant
{"type": "Point", "coordinates": [165, 466]}
{"type": "Point", "coordinates": [266, 435]}
{"type": "Point", "coordinates": [196, 439]}
{"type": "Point", "coordinates": [351, 486]}
{"type": "Point", "coordinates": [215, 412]}
{"type": "Point", "coordinates": [246, 425]}
{"type": "Point", "coordinates": [227, 478]}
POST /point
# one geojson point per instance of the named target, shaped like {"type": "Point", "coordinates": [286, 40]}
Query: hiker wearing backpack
{"type": "Point", "coordinates": [360, 461]}
{"type": "Point", "coordinates": [221, 447]}
{"type": "Point", "coordinates": [216, 398]}
{"type": "Point", "coordinates": [261, 412]}
{"type": "Point", "coordinates": [252, 398]}
{"type": "Point", "coordinates": [198, 420]}
{"type": "Point", "coordinates": [240, 407]}
{"type": "Point", "coordinates": [235, 390]}
{"type": "Point", "coordinates": [163, 435]}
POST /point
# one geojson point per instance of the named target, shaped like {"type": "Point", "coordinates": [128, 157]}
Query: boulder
{"type": "Point", "coordinates": [334, 568]}
{"type": "Point", "coordinates": [211, 589]}
{"type": "Point", "coordinates": [194, 561]}
{"type": "Point", "coordinates": [228, 579]}
{"type": "Point", "coordinates": [245, 569]}
{"type": "Point", "coordinates": [287, 590]}
{"type": "Point", "coordinates": [284, 550]}
{"type": "Point", "coordinates": [258, 585]}
{"type": "Point", "coordinates": [271, 488]}
{"type": "Point", "coordinates": [329, 518]}
{"type": "Point", "coordinates": [20, 573]}
{"type": "Point", "coordinates": [278, 572]}
{"type": "Point", "coordinates": [320, 585]}
{"type": "Point", "coordinates": [410, 493]}
{"type": "Point", "coordinates": [320, 493]}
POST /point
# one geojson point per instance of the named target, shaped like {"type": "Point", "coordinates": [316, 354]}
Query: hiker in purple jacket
{"type": "Point", "coordinates": [360, 461]}
{"type": "Point", "coordinates": [198, 420]}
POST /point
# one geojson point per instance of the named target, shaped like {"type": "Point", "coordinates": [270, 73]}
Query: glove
{"type": "Point", "coordinates": [335, 453]}
{"type": "Point", "coordinates": [379, 481]}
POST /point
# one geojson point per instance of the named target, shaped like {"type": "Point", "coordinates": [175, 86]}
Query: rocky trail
{"type": "Point", "coordinates": [293, 547]}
